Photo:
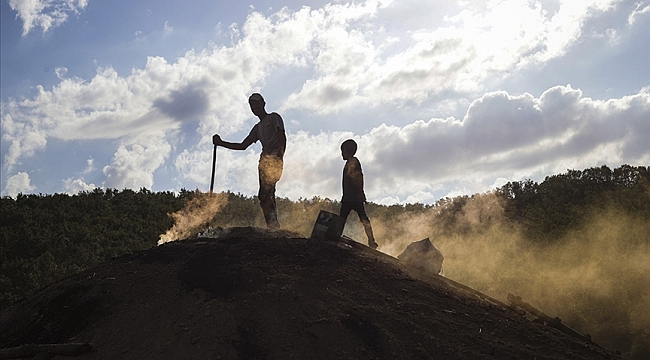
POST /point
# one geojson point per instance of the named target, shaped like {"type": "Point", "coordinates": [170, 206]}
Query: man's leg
{"type": "Point", "coordinates": [270, 170]}
{"type": "Point", "coordinates": [269, 208]}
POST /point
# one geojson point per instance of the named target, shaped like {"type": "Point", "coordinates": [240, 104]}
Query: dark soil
{"type": "Point", "coordinates": [258, 294]}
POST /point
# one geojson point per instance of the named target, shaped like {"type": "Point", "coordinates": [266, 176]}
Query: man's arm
{"type": "Point", "coordinates": [216, 140]}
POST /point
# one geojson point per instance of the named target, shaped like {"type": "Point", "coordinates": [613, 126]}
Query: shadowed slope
{"type": "Point", "coordinates": [257, 294]}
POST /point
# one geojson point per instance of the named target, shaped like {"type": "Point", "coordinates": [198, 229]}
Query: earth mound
{"type": "Point", "coordinates": [259, 294]}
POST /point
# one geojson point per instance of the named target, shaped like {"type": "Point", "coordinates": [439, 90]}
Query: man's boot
{"type": "Point", "coordinates": [272, 220]}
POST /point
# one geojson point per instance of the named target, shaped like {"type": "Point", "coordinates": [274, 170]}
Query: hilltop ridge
{"type": "Point", "coordinates": [260, 294]}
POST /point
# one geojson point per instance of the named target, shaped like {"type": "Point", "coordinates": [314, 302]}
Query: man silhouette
{"type": "Point", "coordinates": [270, 132]}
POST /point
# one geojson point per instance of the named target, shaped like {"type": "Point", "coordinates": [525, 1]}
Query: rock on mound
{"type": "Point", "coordinates": [256, 294]}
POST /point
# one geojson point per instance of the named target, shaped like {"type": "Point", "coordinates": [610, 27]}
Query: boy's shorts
{"type": "Point", "coordinates": [347, 206]}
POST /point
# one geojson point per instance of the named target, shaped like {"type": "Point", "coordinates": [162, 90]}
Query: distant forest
{"type": "Point", "coordinates": [45, 238]}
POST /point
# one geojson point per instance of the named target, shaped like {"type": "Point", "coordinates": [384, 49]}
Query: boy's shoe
{"type": "Point", "coordinates": [373, 245]}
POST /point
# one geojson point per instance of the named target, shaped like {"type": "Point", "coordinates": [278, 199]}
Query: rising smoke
{"type": "Point", "coordinates": [596, 278]}
{"type": "Point", "coordinates": [194, 217]}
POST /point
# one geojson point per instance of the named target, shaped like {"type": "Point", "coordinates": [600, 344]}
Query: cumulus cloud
{"type": "Point", "coordinates": [45, 14]}
{"type": "Point", "coordinates": [184, 104]}
{"type": "Point", "coordinates": [74, 186]}
{"type": "Point", "coordinates": [313, 164]}
{"type": "Point", "coordinates": [24, 139]}
{"type": "Point", "coordinates": [162, 94]}
{"type": "Point", "coordinates": [133, 165]}
{"type": "Point", "coordinates": [464, 54]}
{"type": "Point", "coordinates": [502, 136]}
{"type": "Point", "coordinates": [352, 56]}
{"type": "Point", "coordinates": [234, 170]}
{"type": "Point", "coordinates": [90, 166]}
{"type": "Point", "coordinates": [502, 133]}
{"type": "Point", "coordinates": [17, 184]}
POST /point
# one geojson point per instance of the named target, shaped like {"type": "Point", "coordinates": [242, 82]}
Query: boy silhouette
{"type": "Point", "coordinates": [353, 195]}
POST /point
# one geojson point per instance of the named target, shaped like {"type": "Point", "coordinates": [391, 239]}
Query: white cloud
{"type": "Point", "coordinates": [353, 59]}
{"type": "Point", "coordinates": [24, 138]}
{"type": "Point", "coordinates": [234, 169]}
{"type": "Point", "coordinates": [468, 52]}
{"type": "Point", "coordinates": [163, 95]}
{"type": "Point", "coordinates": [60, 72]}
{"type": "Point", "coordinates": [313, 165]}
{"type": "Point", "coordinates": [74, 186]}
{"type": "Point", "coordinates": [349, 70]}
{"type": "Point", "coordinates": [503, 133]}
{"type": "Point", "coordinates": [18, 183]}
{"type": "Point", "coordinates": [168, 29]}
{"type": "Point", "coordinates": [613, 36]}
{"type": "Point", "coordinates": [501, 137]}
{"type": "Point", "coordinates": [90, 166]}
{"type": "Point", "coordinates": [640, 9]}
{"type": "Point", "coordinates": [45, 14]}
{"type": "Point", "coordinates": [133, 167]}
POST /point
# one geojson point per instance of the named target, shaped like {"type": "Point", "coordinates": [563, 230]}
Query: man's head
{"type": "Point", "coordinates": [348, 149]}
{"type": "Point", "coordinates": [256, 101]}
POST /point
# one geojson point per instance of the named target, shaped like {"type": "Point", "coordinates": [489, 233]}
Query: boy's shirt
{"type": "Point", "coordinates": [353, 181]}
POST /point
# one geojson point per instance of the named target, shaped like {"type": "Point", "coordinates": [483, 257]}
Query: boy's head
{"type": "Point", "coordinates": [348, 149]}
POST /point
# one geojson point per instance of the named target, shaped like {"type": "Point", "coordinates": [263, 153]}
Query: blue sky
{"type": "Point", "coordinates": [444, 98]}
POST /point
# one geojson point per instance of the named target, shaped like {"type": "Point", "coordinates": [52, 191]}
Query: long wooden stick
{"type": "Point", "coordinates": [214, 164]}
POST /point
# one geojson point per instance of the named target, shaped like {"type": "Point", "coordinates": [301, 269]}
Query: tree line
{"type": "Point", "coordinates": [546, 211]}
{"type": "Point", "coordinates": [48, 237]}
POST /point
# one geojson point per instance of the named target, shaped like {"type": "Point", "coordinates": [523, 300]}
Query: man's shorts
{"type": "Point", "coordinates": [270, 171]}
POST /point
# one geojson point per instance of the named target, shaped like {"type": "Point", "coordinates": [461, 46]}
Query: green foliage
{"type": "Point", "coordinates": [547, 211]}
{"type": "Point", "coordinates": [47, 237]}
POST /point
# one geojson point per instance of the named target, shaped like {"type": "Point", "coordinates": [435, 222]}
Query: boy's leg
{"type": "Point", "coordinates": [371, 237]}
{"type": "Point", "coordinates": [345, 209]}
{"type": "Point", "coordinates": [361, 210]}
